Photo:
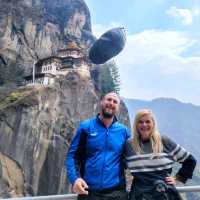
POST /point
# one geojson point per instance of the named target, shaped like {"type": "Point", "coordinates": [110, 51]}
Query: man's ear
{"type": "Point", "coordinates": [119, 107]}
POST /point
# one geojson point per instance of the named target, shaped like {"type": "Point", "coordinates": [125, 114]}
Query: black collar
{"type": "Point", "coordinates": [100, 120]}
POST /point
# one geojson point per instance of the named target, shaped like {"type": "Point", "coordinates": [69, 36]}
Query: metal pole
{"type": "Point", "coordinates": [189, 189]}
{"type": "Point", "coordinates": [51, 197]}
{"type": "Point", "coordinates": [34, 73]}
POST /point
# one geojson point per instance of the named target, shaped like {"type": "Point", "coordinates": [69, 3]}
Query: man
{"type": "Point", "coordinates": [95, 157]}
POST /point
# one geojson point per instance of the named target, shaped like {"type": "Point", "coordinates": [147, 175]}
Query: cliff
{"type": "Point", "coordinates": [37, 122]}
{"type": "Point", "coordinates": [34, 29]}
{"type": "Point", "coordinates": [36, 126]}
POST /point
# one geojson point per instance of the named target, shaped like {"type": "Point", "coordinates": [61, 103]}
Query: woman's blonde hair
{"type": "Point", "coordinates": [155, 137]}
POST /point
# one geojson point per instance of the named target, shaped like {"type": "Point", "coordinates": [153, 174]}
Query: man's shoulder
{"type": "Point", "coordinates": [87, 122]}
{"type": "Point", "coordinates": [123, 128]}
{"type": "Point", "coordinates": [119, 124]}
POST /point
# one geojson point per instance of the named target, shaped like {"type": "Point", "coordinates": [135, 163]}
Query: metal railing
{"type": "Point", "coordinates": [74, 196]}
{"type": "Point", "coordinates": [51, 197]}
{"type": "Point", "coordinates": [189, 188]}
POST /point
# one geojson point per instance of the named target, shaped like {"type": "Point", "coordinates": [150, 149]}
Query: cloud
{"type": "Point", "coordinates": [152, 65]}
{"type": "Point", "coordinates": [99, 29]}
{"type": "Point", "coordinates": [155, 45]}
{"type": "Point", "coordinates": [185, 15]}
{"type": "Point", "coordinates": [196, 11]}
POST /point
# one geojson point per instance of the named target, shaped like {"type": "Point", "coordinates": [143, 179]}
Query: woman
{"type": "Point", "coordinates": [150, 157]}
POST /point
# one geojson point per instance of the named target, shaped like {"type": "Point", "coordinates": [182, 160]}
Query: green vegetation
{"type": "Point", "coordinates": [16, 96]}
{"type": "Point", "coordinates": [11, 76]}
{"type": "Point", "coordinates": [109, 78]}
{"type": "Point", "coordinates": [10, 73]}
{"type": "Point", "coordinates": [11, 98]}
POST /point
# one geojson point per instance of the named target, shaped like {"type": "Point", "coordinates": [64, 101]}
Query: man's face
{"type": "Point", "coordinates": [110, 105]}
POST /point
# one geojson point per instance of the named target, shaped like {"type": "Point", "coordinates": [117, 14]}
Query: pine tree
{"type": "Point", "coordinates": [115, 76]}
{"type": "Point", "coordinates": [109, 78]}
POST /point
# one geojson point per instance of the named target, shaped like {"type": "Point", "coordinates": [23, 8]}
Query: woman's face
{"type": "Point", "coordinates": [145, 126]}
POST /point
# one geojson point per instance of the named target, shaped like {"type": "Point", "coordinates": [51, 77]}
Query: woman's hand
{"type": "Point", "coordinates": [170, 180]}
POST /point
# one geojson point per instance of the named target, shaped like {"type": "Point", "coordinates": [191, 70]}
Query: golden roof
{"type": "Point", "coordinates": [72, 45]}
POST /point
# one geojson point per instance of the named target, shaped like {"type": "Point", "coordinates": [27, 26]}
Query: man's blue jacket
{"type": "Point", "coordinates": [96, 154]}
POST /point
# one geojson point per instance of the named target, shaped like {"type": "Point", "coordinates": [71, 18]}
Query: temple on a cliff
{"type": "Point", "coordinates": [69, 59]}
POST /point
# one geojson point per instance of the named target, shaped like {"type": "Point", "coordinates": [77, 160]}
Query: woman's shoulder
{"type": "Point", "coordinates": [168, 143]}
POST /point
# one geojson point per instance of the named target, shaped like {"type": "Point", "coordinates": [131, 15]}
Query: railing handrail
{"type": "Point", "coordinates": [50, 197]}
{"type": "Point", "coordinates": [73, 196]}
{"type": "Point", "coordinates": [189, 188]}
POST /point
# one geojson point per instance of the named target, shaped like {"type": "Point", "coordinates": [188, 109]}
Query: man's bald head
{"type": "Point", "coordinates": [110, 104]}
{"type": "Point", "coordinates": [114, 94]}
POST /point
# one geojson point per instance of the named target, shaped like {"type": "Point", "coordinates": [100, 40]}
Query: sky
{"type": "Point", "coordinates": [161, 57]}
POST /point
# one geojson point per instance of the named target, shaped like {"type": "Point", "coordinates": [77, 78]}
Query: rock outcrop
{"type": "Point", "coordinates": [35, 29]}
{"type": "Point", "coordinates": [36, 126]}
{"type": "Point", "coordinates": [37, 122]}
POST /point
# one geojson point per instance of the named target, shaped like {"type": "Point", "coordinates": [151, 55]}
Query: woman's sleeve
{"type": "Point", "coordinates": [180, 155]}
{"type": "Point", "coordinates": [129, 154]}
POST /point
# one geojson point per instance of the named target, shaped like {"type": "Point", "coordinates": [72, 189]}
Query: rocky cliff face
{"type": "Point", "coordinates": [34, 29]}
{"type": "Point", "coordinates": [36, 126]}
{"type": "Point", "coordinates": [38, 122]}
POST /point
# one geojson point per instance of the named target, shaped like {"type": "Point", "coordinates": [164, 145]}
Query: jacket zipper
{"type": "Point", "coordinates": [105, 148]}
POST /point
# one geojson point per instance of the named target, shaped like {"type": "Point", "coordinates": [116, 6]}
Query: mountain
{"type": "Point", "coordinates": [180, 121]}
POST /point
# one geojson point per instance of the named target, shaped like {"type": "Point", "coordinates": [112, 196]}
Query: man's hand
{"type": "Point", "coordinates": [80, 186]}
